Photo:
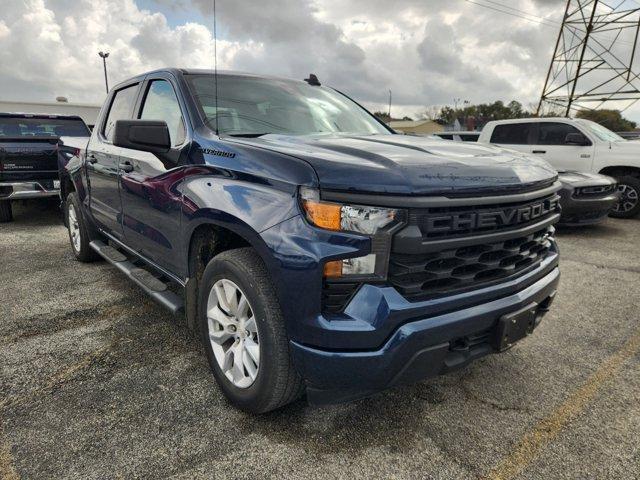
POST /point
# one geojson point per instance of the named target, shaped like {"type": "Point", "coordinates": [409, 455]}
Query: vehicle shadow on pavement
{"type": "Point", "coordinates": [37, 213]}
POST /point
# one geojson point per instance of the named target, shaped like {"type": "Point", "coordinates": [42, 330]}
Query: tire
{"type": "Point", "coordinates": [78, 232]}
{"type": "Point", "coordinates": [275, 382]}
{"type": "Point", "coordinates": [629, 204]}
{"type": "Point", "coordinates": [6, 213]}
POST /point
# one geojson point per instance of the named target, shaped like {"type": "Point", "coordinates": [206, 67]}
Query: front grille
{"type": "Point", "coordinates": [417, 276]}
{"type": "Point", "coordinates": [595, 191]}
{"type": "Point", "coordinates": [447, 250]}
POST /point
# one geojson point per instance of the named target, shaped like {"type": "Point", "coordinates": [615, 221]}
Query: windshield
{"type": "Point", "coordinates": [601, 132]}
{"type": "Point", "coordinates": [253, 106]}
{"type": "Point", "coordinates": [42, 127]}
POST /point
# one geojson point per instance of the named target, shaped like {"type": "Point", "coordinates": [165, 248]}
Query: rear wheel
{"type": "Point", "coordinates": [629, 204]}
{"type": "Point", "coordinates": [244, 335]}
{"type": "Point", "coordinates": [78, 233]}
{"type": "Point", "coordinates": [6, 214]}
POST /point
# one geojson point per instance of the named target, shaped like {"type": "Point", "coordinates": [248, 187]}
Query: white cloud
{"type": "Point", "coordinates": [427, 52]}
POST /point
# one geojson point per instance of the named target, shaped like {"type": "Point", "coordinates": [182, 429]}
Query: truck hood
{"type": "Point", "coordinates": [407, 165]}
{"type": "Point", "coordinates": [584, 179]}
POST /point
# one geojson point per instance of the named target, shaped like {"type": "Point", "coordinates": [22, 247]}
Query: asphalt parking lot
{"type": "Point", "coordinates": [96, 381]}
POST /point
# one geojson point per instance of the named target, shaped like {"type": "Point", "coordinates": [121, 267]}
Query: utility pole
{"type": "Point", "coordinates": [104, 56]}
{"type": "Point", "coordinates": [593, 58]}
{"type": "Point", "coordinates": [389, 105]}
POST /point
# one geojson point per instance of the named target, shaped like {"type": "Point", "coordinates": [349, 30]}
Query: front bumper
{"type": "Point", "coordinates": [416, 350]}
{"type": "Point", "coordinates": [585, 211]}
{"type": "Point", "coordinates": [29, 189]}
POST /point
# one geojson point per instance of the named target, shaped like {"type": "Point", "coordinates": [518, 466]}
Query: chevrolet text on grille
{"type": "Point", "coordinates": [494, 218]}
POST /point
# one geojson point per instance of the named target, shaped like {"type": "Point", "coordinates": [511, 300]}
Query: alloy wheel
{"type": "Point", "coordinates": [74, 228]}
{"type": "Point", "coordinates": [628, 199]}
{"type": "Point", "coordinates": [233, 333]}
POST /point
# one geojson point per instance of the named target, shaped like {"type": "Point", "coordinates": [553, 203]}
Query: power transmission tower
{"type": "Point", "coordinates": [592, 64]}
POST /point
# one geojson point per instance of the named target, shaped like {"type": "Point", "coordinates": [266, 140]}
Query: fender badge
{"type": "Point", "coordinates": [219, 153]}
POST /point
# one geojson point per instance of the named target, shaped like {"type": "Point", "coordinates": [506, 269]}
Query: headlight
{"type": "Point", "coordinates": [348, 218]}
{"type": "Point", "coordinates": [375, 222]}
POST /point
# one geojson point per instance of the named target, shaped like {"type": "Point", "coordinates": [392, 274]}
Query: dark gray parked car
{"type": "Point", "coordinates": [586, 198]}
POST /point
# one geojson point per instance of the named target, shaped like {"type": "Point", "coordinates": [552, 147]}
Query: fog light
{"type": "Point", "coordinates": [351, 266]}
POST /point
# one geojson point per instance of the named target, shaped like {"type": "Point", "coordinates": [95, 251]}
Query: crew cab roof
{"type": "Point", "coordinates": [201, 71]}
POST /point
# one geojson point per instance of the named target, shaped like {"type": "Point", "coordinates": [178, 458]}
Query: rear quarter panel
{"type": "Point", "coordinates": [71, 154]}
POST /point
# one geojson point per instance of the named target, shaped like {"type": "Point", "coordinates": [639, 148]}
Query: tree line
{"type": "Point", "coordinates": [476, 116]}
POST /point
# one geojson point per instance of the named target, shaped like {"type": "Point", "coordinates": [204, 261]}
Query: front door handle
{"type": "Point", "coordinates": [126, 166]}
{"type": "Point", "coordinates": [92, 159]}
{"type": "Point", "coordinates": [539, 151]}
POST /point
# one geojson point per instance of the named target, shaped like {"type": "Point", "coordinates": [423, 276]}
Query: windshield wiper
{"type": "Point", "coordinates": [248, 135]}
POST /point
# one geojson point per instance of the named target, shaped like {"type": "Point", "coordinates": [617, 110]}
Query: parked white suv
{"type": "Point", "coordinates": [578, 145]}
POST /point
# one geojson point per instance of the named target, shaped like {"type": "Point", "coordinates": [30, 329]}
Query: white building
{"type": "Point", "coordinates": [89, 113]}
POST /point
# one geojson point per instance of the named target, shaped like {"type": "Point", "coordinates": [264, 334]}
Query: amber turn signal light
{"type": "Point", "coordinates": [323, 215]}
{"type": "Point", "coordinates": [333, 269]}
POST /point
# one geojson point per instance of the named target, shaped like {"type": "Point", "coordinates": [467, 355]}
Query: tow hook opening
{"type": "Point", "coordinates": [459, 345]}
{"type": "Point", "coordinates": [543, 308]}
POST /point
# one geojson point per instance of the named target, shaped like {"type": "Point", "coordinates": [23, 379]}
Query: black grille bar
{"type": "Point", "coordinates": [420, 276]}
{"type": "Point", "coordinates": [452, 249]}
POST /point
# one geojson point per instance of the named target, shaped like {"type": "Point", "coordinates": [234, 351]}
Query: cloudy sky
{"type": "Point", "coordinates": [428, 52]}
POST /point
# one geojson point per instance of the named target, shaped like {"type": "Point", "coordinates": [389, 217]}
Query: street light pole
{"type": "Point", "coordinates": [104, 56]}
{"type": "Point", "coordinates": [389, 104]}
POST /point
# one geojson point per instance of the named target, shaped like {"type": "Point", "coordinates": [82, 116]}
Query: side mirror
{"type": "Point", "coordinates": [144, 135]}
{"type": "Point", "coordinates": [576, 139]}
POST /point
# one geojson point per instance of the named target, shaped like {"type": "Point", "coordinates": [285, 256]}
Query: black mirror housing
{"type": "Point", "coordinates": [144, 135]}
{"type": "Point", "coordinates": [576, 139]}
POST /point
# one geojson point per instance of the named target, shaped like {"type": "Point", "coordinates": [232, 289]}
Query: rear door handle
{"type": "Point", "coordinates": [92, 159]}
{"type": "Point", "coordinates": [126, 166]}
{"type": "Point", "coordinates": [539, 151]}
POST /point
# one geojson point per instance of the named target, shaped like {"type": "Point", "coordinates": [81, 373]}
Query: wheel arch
{"type": "Point", "coordinates": [207, 239]}
{"type": "Point", "coordinates": [619, 170]}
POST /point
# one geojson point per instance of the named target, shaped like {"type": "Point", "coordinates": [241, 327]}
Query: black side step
{"type": "Point", "coordinates": [152, 286]}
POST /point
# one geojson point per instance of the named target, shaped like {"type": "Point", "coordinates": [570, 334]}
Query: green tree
{"type": "Point", "coordinates": [480, 114]}
{"type": "Point", "coordinates": [612, 119]}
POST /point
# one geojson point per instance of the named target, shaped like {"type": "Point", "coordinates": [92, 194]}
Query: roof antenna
{"type": "Point", "coordinates": [215, 64]}
{"type": "Point", "coordinates": [312, 80]}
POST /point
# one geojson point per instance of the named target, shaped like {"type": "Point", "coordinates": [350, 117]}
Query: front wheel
{"type": "Point", "coordinates": [78, 233]}
{"type": "Point", "coordinates": [244, 335]}
{"type": "Point", "coordinates": [628, 205]}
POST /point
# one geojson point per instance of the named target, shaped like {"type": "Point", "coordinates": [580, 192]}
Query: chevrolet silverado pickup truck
{"type": "Point", "coordinates": [28, 160]}
{"type": "Point", "coordinates": [576, 145]}
{"type": "Point", "coordinates": [311, 248]}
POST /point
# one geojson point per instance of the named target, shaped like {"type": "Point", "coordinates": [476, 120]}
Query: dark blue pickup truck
{"type": "Point", "coordinates": [312, 248]}
{"type": "Point", "coordinates": [28, 160]}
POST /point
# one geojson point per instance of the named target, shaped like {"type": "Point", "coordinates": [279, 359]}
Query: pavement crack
{"type": "Point", "coordinates": [599, 265]}
{"type": "Point", "coordinates": [490, 403]}
{"type": "Point", "coordinates": [41, 324]}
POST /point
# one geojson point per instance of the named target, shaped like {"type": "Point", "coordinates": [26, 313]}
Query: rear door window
{"type": "Point", "coordinates": [121, 109]}
{"type": "Point", "coordinates": [551, 133]}
{"type": "Point", "coordinates": [512, 133]}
